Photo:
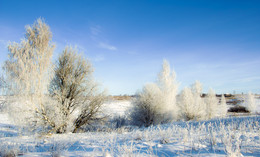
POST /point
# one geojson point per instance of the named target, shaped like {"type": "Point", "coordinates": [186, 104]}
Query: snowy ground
{"type": "Point", "coordinates": [235, 136]}
{"type": "Point", "coordinates": [116, 107]}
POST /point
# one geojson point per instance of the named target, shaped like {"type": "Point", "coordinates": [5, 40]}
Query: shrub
{"type": "Point", "coordinates": [223, 106]}
{"type": "Point", "coordinates": [156, 103]}
{"type": "Point", "coordinates": [250, 103]}
{"type": "Point", "coordinates": [211, 104]}
{"type": "Point", "coordinates": [146, 110]}
{"type": "Point", "coordinates": [191, 104]}
{"type": "Point", "coordinates": [187, 104]}
{"type": "Point", "coordinates": [238, 108]}
{"type": "Point", "coordinates": [77, 95]}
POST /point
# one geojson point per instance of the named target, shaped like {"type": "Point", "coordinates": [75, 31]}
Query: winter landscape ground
{"type": "Point", "coordinates": [228, 136]}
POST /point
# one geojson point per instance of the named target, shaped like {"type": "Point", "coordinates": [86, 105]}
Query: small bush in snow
{"type": "Point", "coordinates": [146, 110]}
{"type": "Point", "coordinates": [156, 103]}
{"type": "Point", "coordinates": [223, 107]}
{"type": "Point", "coordinates": [238, 108]}
{"type": "Point", "coordinates": [211, 104]}
{"type": "Point", "coordinates": [187, 104]}
{"type": "Point", "coordinates": [250, 103]}
{"type": "Point", "coordinates": [191, 104]}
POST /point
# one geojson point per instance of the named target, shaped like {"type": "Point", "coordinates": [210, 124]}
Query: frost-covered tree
{"type": "Point", "coordinates": [197, 88]}
{"type": "Point", "coordinates": [223, 106]}
{"type": "Point", "coordinates": [28, 74]}
{"type": "Point", "coordinates": [250, 102]}
{"type": "Point", "coordinates": [156, 103]}
{"type": "Point", "coordinates": [3, 85]}
{"type": "Point", "coordinates": [211, 104]}
{"type": "Point", "coordinates": [200, 106]}
{"type": "Point", "coordinates": [169, 87]}
{"type": "Point", "coordinates": [2, 82]}
{"type": "Point", "coordinates": [77, 94]}
{"type": "Point", "coordinates": [75, 99]}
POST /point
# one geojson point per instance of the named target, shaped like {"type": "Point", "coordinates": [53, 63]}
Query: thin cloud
{"type": "Point", "coordinates": [99, 58]}
{"type": "Point", "coordinates": [96, 35]}
{"type": "Point", "coordinates": [247, 79]}
{"type": "Point", "coordinates": [3, 42]}
{"type": "Point", "coordinates": [95, 30]}
{"type": "Point", "coordinates": [3, 45]}
{"type": "Point", "coordinates": [132, 52]}
{"type": "Point", "coordinates": [107, 46]}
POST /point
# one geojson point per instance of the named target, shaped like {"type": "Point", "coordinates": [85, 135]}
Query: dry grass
{"type": "Point", "coordinates": [122, 97]}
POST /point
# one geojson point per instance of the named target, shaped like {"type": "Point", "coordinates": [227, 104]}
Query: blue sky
{"type": "Point", "coordinates": [216, 42]}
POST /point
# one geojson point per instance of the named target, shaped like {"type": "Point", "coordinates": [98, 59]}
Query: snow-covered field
{"type": "Point", "coordinates": [234, 136]}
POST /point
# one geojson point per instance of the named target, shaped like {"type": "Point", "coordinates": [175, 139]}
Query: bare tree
{"type": "Point", "coordinates": [28, 73]}
{"type": "Point", "coordinates": [78, 97]}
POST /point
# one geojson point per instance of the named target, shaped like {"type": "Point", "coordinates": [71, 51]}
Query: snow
{"type": "Point", "coordinates": [116, 107]}
{"type": "Point", "coordinates": [217, 137]}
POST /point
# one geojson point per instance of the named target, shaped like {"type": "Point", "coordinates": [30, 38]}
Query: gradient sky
{"type": "Point", "coordinates": [216, 42]}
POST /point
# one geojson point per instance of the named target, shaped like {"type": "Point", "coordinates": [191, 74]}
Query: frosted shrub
{"type": "Point", "coordinates": [200, 106]}
{"type": "Point", "coordinates": [223, 107]}
{"type": "Point", "coordinates": [77, 95]}
{"type": "Point", "coordinates": [156, 103]}
{"type": "Point", "coordinates": [169, 87]}
{"type": "Point", "coordinates": [250, 103]}
{"type": "Point", "coordinates": [211, 104]}
{"type": "Point", "coordinates": [186, 102]}
{"type": "Point", "coordinates": [146, 110]}
{"type": "Point", "coordinates": [191, 104]}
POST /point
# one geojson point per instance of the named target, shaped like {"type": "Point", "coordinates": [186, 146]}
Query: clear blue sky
{"type": "Point", "coordinates": [216, 42]}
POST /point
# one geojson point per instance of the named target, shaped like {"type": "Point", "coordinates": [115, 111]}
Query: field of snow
{"type": "Point", "coordinates": [233, 136]}
{"type": "Point", "coordinates": [116, 107]}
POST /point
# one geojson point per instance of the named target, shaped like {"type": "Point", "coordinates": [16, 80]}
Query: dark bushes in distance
{"type": "Point", "coordinates": [238, 108]}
